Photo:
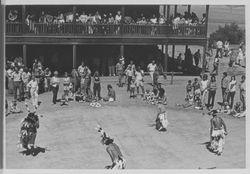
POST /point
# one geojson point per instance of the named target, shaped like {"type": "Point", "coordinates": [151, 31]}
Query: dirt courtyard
{"type": "Point", "coordinates": [68, 140]}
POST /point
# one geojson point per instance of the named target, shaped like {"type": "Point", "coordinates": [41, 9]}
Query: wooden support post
{"type": "Point", "coordinates": [204, 61]}
{"type": "Point", "coordinates": [74, 56]}
{"type": "Point", "coordinates": [168, 12]}
{"type": "Point", "coordinates": [122, 50]}
{"type": "Point", "coordinates": [173, 51]}
{"type": "Point", "coordinates": [25, 55]}
{"type": "Point", "coordinates": [166, 58]}
{"type": "Point", "coordinates": [164, 10]}
{"type": "Point", "coordinates": [23, 18]}
{"type": "Point", "coordinates": [122, 20]}
{"type": "Point", "coordinates": [175, 10]}
{"type": "Point", "coordinates": [186, 48]}
{"type": "Point", "coordinates": [172, 77]}
{"type": "Point", "coordinates": [74, 19]}
{"type": "Point", "coordinates": [189, 9]}
{"type": "Point", "coordinates": [207, 13]}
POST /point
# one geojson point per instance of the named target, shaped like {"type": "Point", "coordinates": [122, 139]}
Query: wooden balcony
{"type": "Point", "coordinates": [147, 30]}
{"type": "Point", "coordinates": [78, 33]}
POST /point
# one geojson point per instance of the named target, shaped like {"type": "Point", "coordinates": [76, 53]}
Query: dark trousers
{"type": "Point", "coordinates": [231, 96]}
{"type": "Point", "coordinates": [18, 86]}
{"type": "Point", "coordinates": [129, 82]}
{"type": "Point", "coordinates": [211, 95]}
{"type": "Point", "coordinates": [223, 94]}
{"type": "Point", "coordinates": [55, 92]}
{"type": "Point", "coordinates": [97, 90]}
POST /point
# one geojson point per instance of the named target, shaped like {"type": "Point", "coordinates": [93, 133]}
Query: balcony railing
{"type": "Point", "coordinates": [146, 30]}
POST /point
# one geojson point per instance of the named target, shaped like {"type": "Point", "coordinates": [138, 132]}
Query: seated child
{"type": "Point", "coordinates": [162, 98]}
{"type": "Point", "coordinates": [111, 94]}
{"type": "Point", "coordinates": [236, 110]}
{"type": "Point", "coordinates": [63, 101]}
{"type": "Point", "coordinates": [14, 109]}
{"type": "Point", "coordinates": [197, 100]}
{"type": "Point", "coordinates": [226, 108]}
{"type": "Point", "coordinates": [132, 88]}
{"type": "Point", "coordinates": [79, 95]}
{"type": "Point", "coordinates": [188, 90]}
{"type": "Point", "coordinates": [146, 95]}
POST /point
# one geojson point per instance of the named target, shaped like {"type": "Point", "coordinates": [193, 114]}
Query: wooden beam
{"type": "Point", "coordinates": [74, 18]}
{"type": "Point", "coordinates": [189, 9]}
{"type": "Point", "coordinates": [164, 10]}
{"type": "Point", "coordinates": [122, 50]}
{"type": "Point", "coordinates": [207, 14]}
{"type": "Point", "coordinates": [175, 10]}
{"type": "Point", "coordinates": [25, 55]}
{"type": "Point", "coordinates": [23, 17]}
{"type": "Point", "coordinates": [166, 58]}
{"type": "Point", "coordinates": [168, 12]}
{"type": "Point", "coordinates": [74, 56]}
{"type": "Point", "coordinates": [204, 61]}
{"type": "Point", "coordinates": [173, 51]}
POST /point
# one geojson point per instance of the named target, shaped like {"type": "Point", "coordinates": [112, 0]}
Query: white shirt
{"type": "Point", "coordinates": [33, 85]}
{"type": "Point", "coordinates": [151, 67]}
{"type": "Point", "coordinates": [153, 20]}
{"type": "Point", "coordinates": [129, 72]}
{"type": "Point", "coordinates": [204, 84]}
{"type": "Point", "coordinates": [83, 18]}
{"type": "Point", "coordinates": [138, 75]}
{"type": "Point", "coordinates": [232, 86]}
{"type": "Point", "coordinates": [219, 44]}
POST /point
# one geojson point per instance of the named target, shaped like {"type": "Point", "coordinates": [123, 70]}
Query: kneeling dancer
{"type": "Point", "coordinates": [118, 161]}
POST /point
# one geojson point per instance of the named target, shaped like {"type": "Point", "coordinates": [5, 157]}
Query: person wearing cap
{"type": "Point", "coordinates": [224, 86]}
{"type": "Point", "coordinates": [118, 161]}
{"type": "Point", "coordinates": [119, 71]}
{"type": "Point", "coordinates": [55, 81]}
{"type": "Point", "coordinates": [218, 129]}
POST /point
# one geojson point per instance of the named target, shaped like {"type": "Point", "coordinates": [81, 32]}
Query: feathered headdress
{"type": "Point", "coordinates": [105, 138]}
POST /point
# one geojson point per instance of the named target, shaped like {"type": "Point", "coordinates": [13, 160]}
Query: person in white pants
{"type": "Point", "coordinates": [151, 68]}
{"type": "Point", "coordinates": [33, 85]}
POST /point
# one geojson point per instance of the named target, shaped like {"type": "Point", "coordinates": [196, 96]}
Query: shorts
{"type": "Point", "coordinates": [138, 83]}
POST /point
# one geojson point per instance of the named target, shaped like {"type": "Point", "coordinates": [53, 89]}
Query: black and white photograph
{"type": "Point", "coordinates": [121, 86]}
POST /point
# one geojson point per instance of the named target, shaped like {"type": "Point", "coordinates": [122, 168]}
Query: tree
{"type": "Point", "coordinates": [230, 32]}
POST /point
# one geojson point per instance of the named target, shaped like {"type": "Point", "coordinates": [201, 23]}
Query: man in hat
{"type": "Point", "coordinates": [118, 162]}
{"type": "Point", "coordinates": [218, 131]}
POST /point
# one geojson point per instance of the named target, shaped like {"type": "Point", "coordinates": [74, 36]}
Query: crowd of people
{"type": "Point", "coordinates": [198, 90]}
{"type": "Point", "coordinates": [102, 23]}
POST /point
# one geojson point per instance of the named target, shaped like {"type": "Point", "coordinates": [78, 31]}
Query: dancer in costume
{"type": "Point", "coordinates": [218, 131]}
{"type": "Point", "coordinates": [161, 119]}
{"type": "Point", "coordinates": [118, 161]}
{"type": "Point", "coordinates": [28, 131]}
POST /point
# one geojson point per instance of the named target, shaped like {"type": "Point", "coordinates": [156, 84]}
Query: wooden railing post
{"type": "Point", "coordinates": [172, 77]}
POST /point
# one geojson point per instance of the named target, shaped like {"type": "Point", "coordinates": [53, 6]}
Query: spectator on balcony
{"type": "Point", "coordinates": [176, 21]}
{"type": "Point", "coordinates": [111, 19]}
{"type": "Point", "coordinates": [60, 19]}
{"type": "Point", "coordinates": [42, 18]}
{"type": "Point", "coordinates": [118, 17]}
{"type": "Point", "coordinates": [162, 20]}
{"type": "Point", "coordinates": [97, 18]}
{"type": "Point", "coordinates": [13, 15]}
{"type": "Point", "coordinates": [153, 21]}
{"type": "Point", "coordinates": [204, 18]}
{"type": "Point", "coordinates": [90, 22]}
{"type": "Point", "coordinates": [69, 16]}
{"type": "Point", "coordinates": [29, 21]}
{"type": "Point", "coordinates": [83, 18]}
{"type": "Point", "coordinates": [194, 18]}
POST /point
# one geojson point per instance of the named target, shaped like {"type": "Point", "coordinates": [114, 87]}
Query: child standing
{"type": "Point", "coordinates": [132, 88]}
{"type": "Point", "coordinates": [97, 85]}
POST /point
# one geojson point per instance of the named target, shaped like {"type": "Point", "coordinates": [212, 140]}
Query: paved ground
{"type": "Point", "coordinates": [71, 141]}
